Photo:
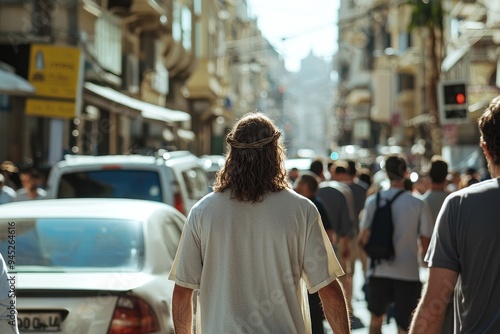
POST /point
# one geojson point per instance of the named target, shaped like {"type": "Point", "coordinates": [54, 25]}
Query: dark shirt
{"type": "Point", "coordinates": [322, 212]}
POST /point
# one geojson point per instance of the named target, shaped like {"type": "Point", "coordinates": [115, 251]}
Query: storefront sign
{"type": "Point", "coordinates": [55, 73]}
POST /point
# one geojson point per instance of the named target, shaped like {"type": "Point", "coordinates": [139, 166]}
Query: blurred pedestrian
{"type": "Point", "coordinates": [421, 185]}
{"type": "Point", "coordinates": [30, 190]}
{"type": "Point", "coordinates": [306, 185]}
{"type": "Point", "coordinates": [339, 204]}
{"type": "Point", "coordinates": [253, 245]}
{"type": "Point", "coordinates": [436, 194]}
{"type": "Point", "coordinates": [470, 177]}
{"type": "Point", "coordinates": [452, 181]}
{"type": "Point", "coordinates": [397, 281]}
{"type": "Point", "coordinates": [293, 174]}
{"type": "Point", "coordinates": [434, 198]}
{"type": "Point", "coordinates": [463, 254]}
{"type": "Point", "coordinates": [8, 311]}
{"type": "Point", "coordinates": [318, 169]}
{"type": "Point", "coordinates": [7, 194]}
{"type": "Point", "coordinates": [339, 171]}
{"type": "Point", "coordinates": [11, 174]}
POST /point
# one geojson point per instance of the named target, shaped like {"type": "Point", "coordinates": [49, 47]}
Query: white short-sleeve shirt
{"type": "Point", "coordinates": [252, 261]}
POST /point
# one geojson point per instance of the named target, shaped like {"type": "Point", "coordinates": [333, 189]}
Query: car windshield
{"type": "Point", "coordinates": [73, 244]}
{"type": "Point", "coordinates": [112, 183]}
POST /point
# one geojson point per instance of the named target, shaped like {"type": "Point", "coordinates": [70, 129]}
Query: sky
{"type": "Point", "coordinates": [295, 27]}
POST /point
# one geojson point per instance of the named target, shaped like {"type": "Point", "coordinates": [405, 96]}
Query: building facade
{"type": "Point", "coordinates": [125, 76]}
{"type": "Point", "coordinates": [387, 75]}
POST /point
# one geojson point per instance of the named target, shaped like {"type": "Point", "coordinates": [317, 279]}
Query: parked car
{"type": "Point", "coordinates": [96, 266]}
{"type": "Point", "coordinates": [174, 178]}
{"type": "Point", "coordinates": [212, 164]}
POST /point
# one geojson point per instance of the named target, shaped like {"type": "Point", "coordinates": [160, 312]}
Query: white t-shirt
{"type": "Point", "coordinates": [412, 219]}
{"type": "Point", "coordinates": [252, 262]}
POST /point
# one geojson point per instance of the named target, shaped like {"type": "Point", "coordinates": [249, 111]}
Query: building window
{"type": "Point", "coordinates": [108, 42]}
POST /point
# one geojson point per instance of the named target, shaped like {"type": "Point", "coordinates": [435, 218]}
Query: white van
{"type": "Point", "coordinates": [175, 178]}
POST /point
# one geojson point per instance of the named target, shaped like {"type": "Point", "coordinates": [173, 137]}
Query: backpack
{"type": "Point", "coordinates": [380, 245]}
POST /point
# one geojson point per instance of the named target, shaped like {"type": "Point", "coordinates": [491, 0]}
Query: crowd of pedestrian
{"type": "Point", "coordinates": [432, 219]}
{"type": "Point", "coordinates": [23, 183]}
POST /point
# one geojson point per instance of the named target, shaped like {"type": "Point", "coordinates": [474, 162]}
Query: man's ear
{"type": "Point", "coordinates": [485, 150]}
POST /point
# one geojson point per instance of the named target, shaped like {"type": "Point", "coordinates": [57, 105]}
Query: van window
{"type": "Point", "coordinates": [196, 182]}
{"type": "Point", "coordinates": [135, 184]}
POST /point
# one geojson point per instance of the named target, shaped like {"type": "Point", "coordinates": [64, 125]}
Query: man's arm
{"type": "Point", "coordinates": [182, 309]}
{"type": "Point", "coordinates": [424, 246]}
{"type": "Point", "coordinates": [363, 237]}
{"type": "Point", "coordinates": [431, 309]}
{"type": "Point", "coordinates": [335, 307]}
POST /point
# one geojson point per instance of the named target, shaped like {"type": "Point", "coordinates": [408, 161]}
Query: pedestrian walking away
{"type": "Point", "coordinates": [306, 185]}
{"type": "Point", "coordinates": [463, 254]}
{"type": "Point", "coordinates": [253, 248]}
{"type": "Point", "coordinates": [396, 281]}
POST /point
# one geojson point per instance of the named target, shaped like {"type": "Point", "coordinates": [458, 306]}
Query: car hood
{"type": "Point", "coordinates": [118, 281]}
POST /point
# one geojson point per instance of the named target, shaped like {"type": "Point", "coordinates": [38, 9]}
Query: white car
{"type": "Point", "coordinates": [175, 178]}
{"type": "Point", "coordinates": [91, 266]}
{"type": "Point", "coordinates": [212, 164]}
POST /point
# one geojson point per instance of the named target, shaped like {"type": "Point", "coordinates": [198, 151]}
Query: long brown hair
{"type": "Point", "coordinates": [255, 160]}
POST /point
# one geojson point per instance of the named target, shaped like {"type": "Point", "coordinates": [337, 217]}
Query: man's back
{"type": "Point", "coordinates": [338, 201]}
{"type": "Point", "coordinates": [434, 200]}
{"type": "Point", "coordinates": [468, 232]}
{"type": "Point", "coordinates": [250, 260]}
{"type": "Point", "coordinates": [411, 219]}
{"type": "Point", "coordinates": [359, 194]}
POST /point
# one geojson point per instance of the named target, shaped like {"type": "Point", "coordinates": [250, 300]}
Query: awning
{"type": "Point", "coordinates": [157, 113]}
{"type": "Point", "coordinates": [13, 84]}
{"type": "Point", "coordinates": [147, 110]}
{"type": "Point", "coordinates": [112, 100]}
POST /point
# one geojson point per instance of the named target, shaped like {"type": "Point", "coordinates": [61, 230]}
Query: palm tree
{"type": "Point", "coordinates": [428, 15]}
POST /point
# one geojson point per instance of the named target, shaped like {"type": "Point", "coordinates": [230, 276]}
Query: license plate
{"type": "Point", "coordinates": [39, 322]}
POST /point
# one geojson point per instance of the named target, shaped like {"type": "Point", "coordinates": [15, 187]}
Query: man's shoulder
{"type": "Point", "coordinates": [9, 191]}
{"type": "Point", "coordinates": [358, 186]}
{"type": "Point", "coordinates": [327, 189]}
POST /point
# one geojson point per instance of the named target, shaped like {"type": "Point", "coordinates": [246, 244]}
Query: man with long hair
{"type": "Point", "coordinates": [463, 254]}
{"type": "Point", "coordinates": [252, 246]}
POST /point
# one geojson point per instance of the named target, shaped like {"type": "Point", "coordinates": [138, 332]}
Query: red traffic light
{"type": "Point", "coordinates": [460, 98]}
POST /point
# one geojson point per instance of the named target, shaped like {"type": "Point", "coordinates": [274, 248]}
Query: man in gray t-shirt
{"type": "Point", "coordinates": [396, 281]}
{"type": "Point", "coordinates": [465, 247]}
{"type": "Point", "coordinates": [435, 196]}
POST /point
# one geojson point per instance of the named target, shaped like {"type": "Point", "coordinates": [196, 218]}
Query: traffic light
{"type": "Point", "coordinates": [453, 107]}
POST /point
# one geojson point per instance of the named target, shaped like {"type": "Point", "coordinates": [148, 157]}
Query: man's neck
{"type": "Point", "coordinates": [494, 170]}
{"type": "Point", "coordinates": [398, 184]}
{"type": "Point", "coordinates": [437, 186]}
